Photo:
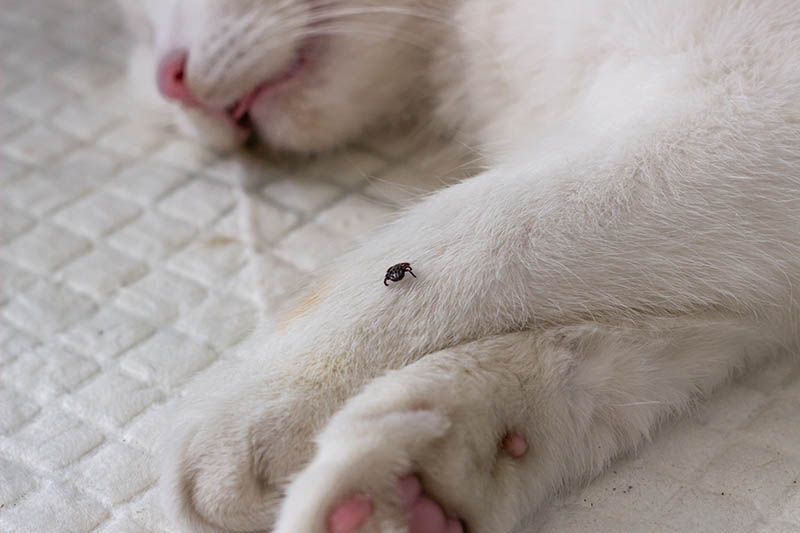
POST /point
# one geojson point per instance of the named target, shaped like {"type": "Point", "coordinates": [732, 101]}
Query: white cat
{"type": "Point", "coordinates": [635, 241]}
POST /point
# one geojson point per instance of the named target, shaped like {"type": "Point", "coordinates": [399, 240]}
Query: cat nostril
{"type": "Point", "coordinates": [171, 77]}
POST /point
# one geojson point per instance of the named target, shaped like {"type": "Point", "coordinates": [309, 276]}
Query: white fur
{"type": "Point", "coordinates": [635, 241]}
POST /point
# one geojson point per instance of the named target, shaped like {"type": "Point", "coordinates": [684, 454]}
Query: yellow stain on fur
{"type": "Point", "coordinates": [306, 304]}
{"type": "Point", "coordinates": [323, 370]}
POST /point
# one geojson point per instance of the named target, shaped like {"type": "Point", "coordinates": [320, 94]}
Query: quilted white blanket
{"type": "Point", "coordinates": [131, 260]}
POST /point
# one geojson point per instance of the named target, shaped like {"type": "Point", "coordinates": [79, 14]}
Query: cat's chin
{"type": "Point", "coordinates": [268, 124]}
{"type": "Point", "coordinates": [213, 131]}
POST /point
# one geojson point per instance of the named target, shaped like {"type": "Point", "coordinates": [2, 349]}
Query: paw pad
{"type": "Point", "coordinates": [424, 514]}
{"type": "Point", "coordinates": [350, 516]}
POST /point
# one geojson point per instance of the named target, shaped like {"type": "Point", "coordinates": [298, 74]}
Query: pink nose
{"type": "Point", "coordinates": [171, 79]}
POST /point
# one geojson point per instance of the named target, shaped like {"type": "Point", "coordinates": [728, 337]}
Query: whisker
{"type": "Point", "coordinates": [371, 31]}
{"type": "Point", "coordinates": [340, 12]}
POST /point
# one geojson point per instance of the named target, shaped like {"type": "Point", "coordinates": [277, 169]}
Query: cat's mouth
{"type": "Point", "coordinates": [239, 113]}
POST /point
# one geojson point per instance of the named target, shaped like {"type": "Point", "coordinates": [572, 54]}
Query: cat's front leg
{"type": "Point", "coordinates": [246, 429]}
{"type": "Point", "coordinates": [514, 248]}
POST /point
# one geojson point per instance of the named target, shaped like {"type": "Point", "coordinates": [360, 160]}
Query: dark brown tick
{"type": "Point", "coordinates": [397, 272]}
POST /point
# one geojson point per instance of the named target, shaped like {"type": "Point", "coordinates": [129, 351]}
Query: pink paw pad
{"type": "Point", "coordinates": [424, 514]}
{"type": "Point", "coordinates": [515, 445]}
{"type": "Point", "coordinates": [350, 515]}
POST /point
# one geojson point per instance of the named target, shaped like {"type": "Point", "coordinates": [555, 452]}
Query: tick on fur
{"type": "Point", "coordinates": [397, 272]}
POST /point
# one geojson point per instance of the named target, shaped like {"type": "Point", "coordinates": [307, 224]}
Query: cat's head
{"type": "Point", "coordinates": [298, 74]}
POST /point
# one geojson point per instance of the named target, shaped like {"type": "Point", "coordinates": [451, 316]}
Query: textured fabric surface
{"type": "Point", "coordinates": [132, 260]}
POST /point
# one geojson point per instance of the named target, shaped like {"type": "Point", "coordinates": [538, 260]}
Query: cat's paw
{"type": "Point", "coordinates": [232, 445]}
{"type": "Point", "coordinates": [407, 457]}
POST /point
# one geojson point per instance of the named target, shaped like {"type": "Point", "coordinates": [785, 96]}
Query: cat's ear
{"type": "Point", "coordinates": [137, 19]}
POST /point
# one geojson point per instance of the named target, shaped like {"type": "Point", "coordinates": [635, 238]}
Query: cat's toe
{"type": "Point", "coordinates": [352, 485]}
{"type": "Point", "coordinates": [425, 515]}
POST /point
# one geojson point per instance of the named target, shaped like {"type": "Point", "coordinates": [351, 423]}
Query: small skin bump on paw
{"type": "Point", "coordinates": [515, 445]}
